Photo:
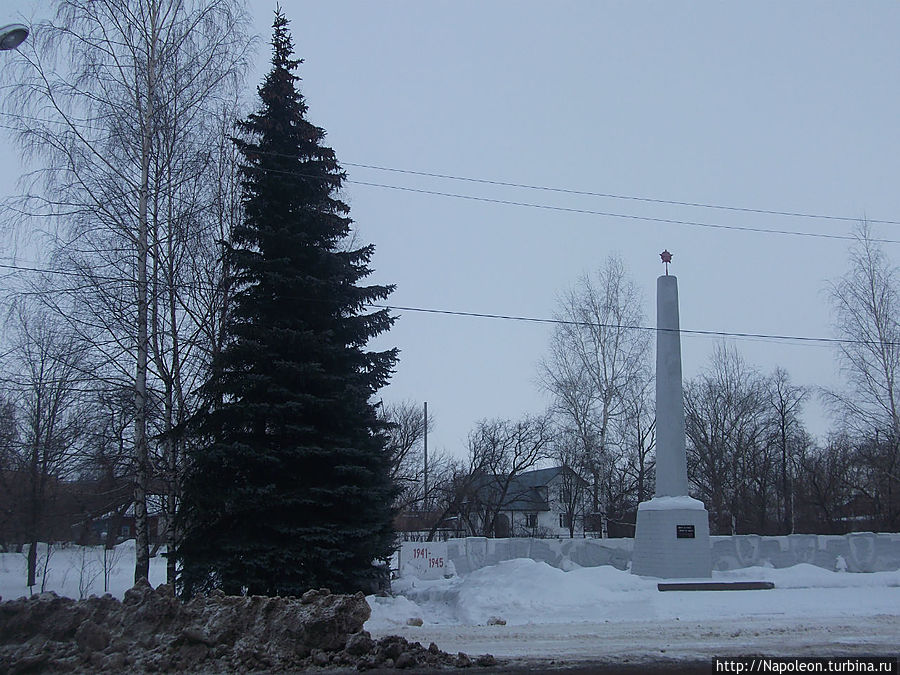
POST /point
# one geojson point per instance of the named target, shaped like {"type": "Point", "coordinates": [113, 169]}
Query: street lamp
{"type": "Point", "coordinates": [12, 36]}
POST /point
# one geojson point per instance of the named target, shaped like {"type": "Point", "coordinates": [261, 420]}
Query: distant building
{"type": "Point", "coordinates": [540, 503]}
{"type": "Point", "coordinates": [77, 511]}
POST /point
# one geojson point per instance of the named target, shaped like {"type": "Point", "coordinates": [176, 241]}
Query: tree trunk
{"type": "Point", "coordinates": [604, 428]}
{"type": "Point", "coordinates": [34, 517]}
{"type": "Point", "coordinates": [32, 562]}
{"type": "Point", "coordinates": [785, 490]}
{"type": "Point", "coordinates": [172, 488]}
{"type": "Point", "coordinates": [174, 407]}
{"type": "Point", "coordinates": [141, 450]}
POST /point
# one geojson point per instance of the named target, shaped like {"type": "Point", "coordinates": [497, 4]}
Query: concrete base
{"type": "Point", "coordinates": [659, 551]}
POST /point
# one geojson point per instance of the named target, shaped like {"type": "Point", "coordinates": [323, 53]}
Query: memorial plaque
{"type": "Point", "coordinates": [423, 560]}
{"type": "Point", "coordinates": [684, 531]}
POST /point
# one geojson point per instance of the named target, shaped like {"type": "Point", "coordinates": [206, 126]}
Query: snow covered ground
{"type": "Point", "coordinates": [76, 571]}
{"type": "Point", "coordinates": [596, 614]}
{"type": "Point", "coordinates": [604, 614]}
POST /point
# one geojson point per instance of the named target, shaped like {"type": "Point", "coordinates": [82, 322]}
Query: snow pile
{"type": "Point", "coordinates": [520, 591]}
{"type": "Point", "coordinates": [151, 631]}
{"type": "Point", "coordinates": [396, 611]}
{"type": "Point", "coordinates": [523, 591]}
{"type": "Point", "coordinates": [806, 575]}
{"type": "Point", "coordinates": [544, 593]}
{"type": "Point", "coordinates": [521, 607]}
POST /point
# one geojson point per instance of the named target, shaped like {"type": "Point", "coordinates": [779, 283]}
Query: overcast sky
{"type": "Point", "coordinates": [765, 105]}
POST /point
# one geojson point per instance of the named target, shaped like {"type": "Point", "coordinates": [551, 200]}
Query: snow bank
{"type": "Point", "coordinates": [806, 575]}
{"type": "Point", "coordinates": [523, 591]}
{"type": "Point", "coordinates": [392, 611]}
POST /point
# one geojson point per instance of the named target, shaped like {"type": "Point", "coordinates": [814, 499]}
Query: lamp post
{"type": "Point", "coordinates": [12, 36]}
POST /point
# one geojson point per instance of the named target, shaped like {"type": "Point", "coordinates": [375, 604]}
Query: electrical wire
{"type": "Point", "coordinates": [608, 214]}
{"type": "Point", "coordinates": [609, 195]}
{"type": "Point", "coordinates": [560, 190]}
{"type": "Point", "coordinates": [509, 317]}
{"type": "Point", "coordinates": [682, 331]}
{"type": "Point", "coordinates": [553, 208]}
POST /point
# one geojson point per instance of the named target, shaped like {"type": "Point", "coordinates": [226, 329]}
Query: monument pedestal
{"type": "Point", "coordinates": [671, 540]}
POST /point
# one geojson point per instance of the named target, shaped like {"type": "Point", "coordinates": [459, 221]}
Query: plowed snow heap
{"type": "Point", "coordinates": [153, 631]}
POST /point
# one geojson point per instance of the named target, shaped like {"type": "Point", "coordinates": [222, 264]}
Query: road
{"type": "Point", "coordinates": [665, 646]}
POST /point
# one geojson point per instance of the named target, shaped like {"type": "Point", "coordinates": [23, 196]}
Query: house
{"type": "Point", "coordinates": [541, 503]}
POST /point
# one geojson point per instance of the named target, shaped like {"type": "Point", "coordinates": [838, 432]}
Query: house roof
{"type": "Point", "coordinates": [539, 477]}
{"type": "Point", "coordinates": [525, 493]}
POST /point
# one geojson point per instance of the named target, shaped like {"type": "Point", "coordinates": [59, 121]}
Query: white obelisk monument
{"type": "Point", "coordinates": [671, 539]}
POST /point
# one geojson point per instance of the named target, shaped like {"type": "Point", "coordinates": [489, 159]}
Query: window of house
{"type": "Point", "coordinates": [125, 531]}
{"type": "Point", "coordinates": [565, 520]}
{"type": "Point", "coordinates": [530, 520]}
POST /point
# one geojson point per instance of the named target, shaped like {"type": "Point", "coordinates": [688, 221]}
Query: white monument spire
{"type": "Point", "coordinates": [671, 459]}
{"type": "Point", "coordinates": [671, 538]}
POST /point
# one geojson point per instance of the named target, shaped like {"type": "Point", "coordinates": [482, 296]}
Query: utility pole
{"type": "Point", "coordinates": [425, 485]}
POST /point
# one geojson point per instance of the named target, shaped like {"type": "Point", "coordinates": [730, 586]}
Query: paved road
{"type": "Point", "coordinates": [662, 647]}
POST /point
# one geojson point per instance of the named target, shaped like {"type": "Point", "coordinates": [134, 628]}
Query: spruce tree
{"type": "Point", "coordinates": [289, 488]}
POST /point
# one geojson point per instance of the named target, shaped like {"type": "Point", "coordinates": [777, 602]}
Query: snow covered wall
{"type": "Point", "coordinates": [856, 552]}
{"type": "Point", "coordinates": [473, 553]}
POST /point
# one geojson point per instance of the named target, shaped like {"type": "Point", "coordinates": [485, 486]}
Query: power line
{"type": "Point", "coordinates": [626, 216]}
{"type": "Point", "coordinates": [528, 319]}
{"type": "Point", "coordinates": [609, 195]}
{"type": "Point", "coordinates": [545, 188]}
{"type": "Point", "coordinates": [592, 212]}
{"type": "Point", "coordinates": [682, 331]}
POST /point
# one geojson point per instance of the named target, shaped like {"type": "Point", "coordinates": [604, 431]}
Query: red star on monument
{"type": "Point", "coordinates": [666, 258]}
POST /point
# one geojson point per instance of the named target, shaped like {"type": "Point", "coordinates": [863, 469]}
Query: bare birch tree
{"type": "Point", "coordinates": [866, 303]}
{"type": "Point", "coordinates": [635, 432]}
{"type": "Point", "coordinates": [113, 96]}
{"type": "Point", "coordinates": [866, 306]}
{"type": "Point", "coordinates": [596, 354]}
{"type": "Point", "coordinates": [572, 488]}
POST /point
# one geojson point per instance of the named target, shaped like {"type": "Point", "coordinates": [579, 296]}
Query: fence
{"type": "Point", "coordinates": [855, 552]}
